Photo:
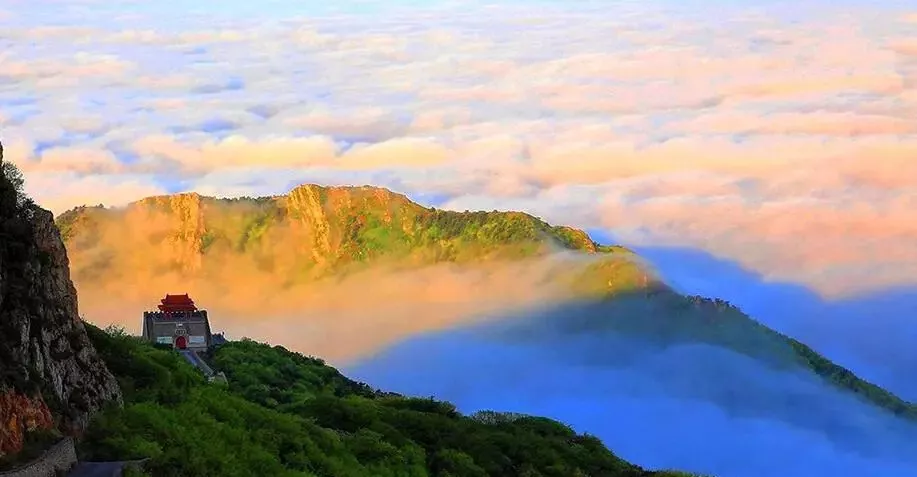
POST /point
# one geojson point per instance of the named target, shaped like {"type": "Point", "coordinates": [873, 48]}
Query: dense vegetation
{"type": "Point", "coordinates": [15, 206]}
{"type": "Point", "coordinates": [13, 184]}
{"type": "Point", "coordinates": [70, 221]}
{"type": "Point", "coordinates": [284, 414]}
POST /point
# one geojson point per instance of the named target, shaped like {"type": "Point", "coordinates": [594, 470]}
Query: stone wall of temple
{"type": "Point", "coordinates": [164, 328]}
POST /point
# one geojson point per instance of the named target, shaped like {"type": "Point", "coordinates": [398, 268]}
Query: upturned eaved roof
{"type": "Point", "coordinates": [172, 303]}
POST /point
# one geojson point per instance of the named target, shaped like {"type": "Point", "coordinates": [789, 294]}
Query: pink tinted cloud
{"type": "Point", "coordinates": [75, 160]}
{"type": "Point", "coordinates": [284, 152]}
{"type": "Point", "coordinates": [237, 151]}
{"type": "Point", "coordinates": [796, 239]}
{"type": "Point", "coordinates": [60, 191]}
{"type": "Point", "coordinates": [906, 47]}
{"type": "Point", "coordinates": [67, 70]}
{"type": "Point", "coordinates": [818, 123]}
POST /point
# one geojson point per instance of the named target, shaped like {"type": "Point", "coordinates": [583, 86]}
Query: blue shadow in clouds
{"type": "Point", "coordinates": [690, 406]}
{"type": "Point", "coordinates": [872, 335]}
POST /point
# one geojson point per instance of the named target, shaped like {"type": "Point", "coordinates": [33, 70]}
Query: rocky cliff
{"type": "Point", "coordinates": [50, 374]}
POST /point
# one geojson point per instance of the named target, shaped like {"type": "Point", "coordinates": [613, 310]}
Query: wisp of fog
{"type": "Point", "coordinates": [338, 318]}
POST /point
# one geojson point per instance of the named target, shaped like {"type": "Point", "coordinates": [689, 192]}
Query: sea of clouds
{"type": "Point", "coordinates": [763, 152]}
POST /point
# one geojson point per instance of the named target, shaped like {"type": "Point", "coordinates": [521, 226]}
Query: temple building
{"type": "Point", "coordinates": [178, 323]}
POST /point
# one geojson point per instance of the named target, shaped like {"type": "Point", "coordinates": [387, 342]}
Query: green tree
{"type": "Point", "coordinates": [14, 176]}
{"type": "Point", "coordinates": [14, 180]}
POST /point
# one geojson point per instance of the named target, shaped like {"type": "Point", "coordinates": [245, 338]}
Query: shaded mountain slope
{"type": "Point", "coordinates": [666, 388]}
{"type": "Point", "coordinates": [665, 318]}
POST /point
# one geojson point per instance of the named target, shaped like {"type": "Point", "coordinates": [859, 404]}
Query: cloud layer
{"type": "Point", "coordinates": [780, 136]}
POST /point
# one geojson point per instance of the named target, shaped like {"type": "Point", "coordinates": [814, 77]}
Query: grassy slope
{"type": "Point", "coordinates": [284, 414]}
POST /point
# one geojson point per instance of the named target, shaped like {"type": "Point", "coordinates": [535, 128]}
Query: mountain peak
{"type": "Point", "coordinates": [178, 200]}
{"type": "Point", "coordinates": [316, 232]}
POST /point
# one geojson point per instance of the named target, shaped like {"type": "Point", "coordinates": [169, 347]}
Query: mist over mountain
{"type": "Point", "coordinates": [502, 311]}
{"type": "Point", "coordinates": [293, 264]}
{"type": "Point", "coordinates": [689, 405]}
{"type": "Point", "coordinates": [124, 401]}
{"type": "Point", "coordinates": [871, 334]}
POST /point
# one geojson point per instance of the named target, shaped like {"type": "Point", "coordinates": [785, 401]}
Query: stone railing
{"type": "Point", "coordinates": [57, 460]}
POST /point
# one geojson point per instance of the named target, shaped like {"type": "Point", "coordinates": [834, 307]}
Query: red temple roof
{"type": "Point", "coordinates": [173, 303]}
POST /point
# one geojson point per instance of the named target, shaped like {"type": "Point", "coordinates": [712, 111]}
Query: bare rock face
{"type": "Point", "coordinates": [19, 414]}
{"type": "Point", "coordinates": [46, 360]}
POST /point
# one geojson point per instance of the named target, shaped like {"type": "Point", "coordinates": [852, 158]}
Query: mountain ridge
{"type": "Point", "coordinates": [308, 201]}
{"type": "Point", "coordinates": [344, 227]}
{"type": "Point", "coordinates": [315, 232]}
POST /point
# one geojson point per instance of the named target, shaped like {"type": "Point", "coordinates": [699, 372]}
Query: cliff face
{"type": "Point", "coordinates": [50, 374]}
{"type": "Point", "coordinates": [181, 217]}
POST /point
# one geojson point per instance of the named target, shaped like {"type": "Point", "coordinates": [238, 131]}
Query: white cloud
{"type": "Point", "coordinates": [59, 191]}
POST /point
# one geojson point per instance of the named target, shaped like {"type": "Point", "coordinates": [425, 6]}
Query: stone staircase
{"type": "Point", "coordinates": [196, 361]}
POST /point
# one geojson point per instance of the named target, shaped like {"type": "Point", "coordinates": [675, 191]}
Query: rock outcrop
{"type": "Point", "coordinates": [181, 215]}
{"type": "Point", "coordinates": [50, 374]}
{"type": "Point", "coordinates": [20, 414]}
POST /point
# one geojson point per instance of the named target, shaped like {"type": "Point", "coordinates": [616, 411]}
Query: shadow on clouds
{"type": "Point", "coordinates": [872, 335]}
{"type": "Point", "coordinates": [665, 403]}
